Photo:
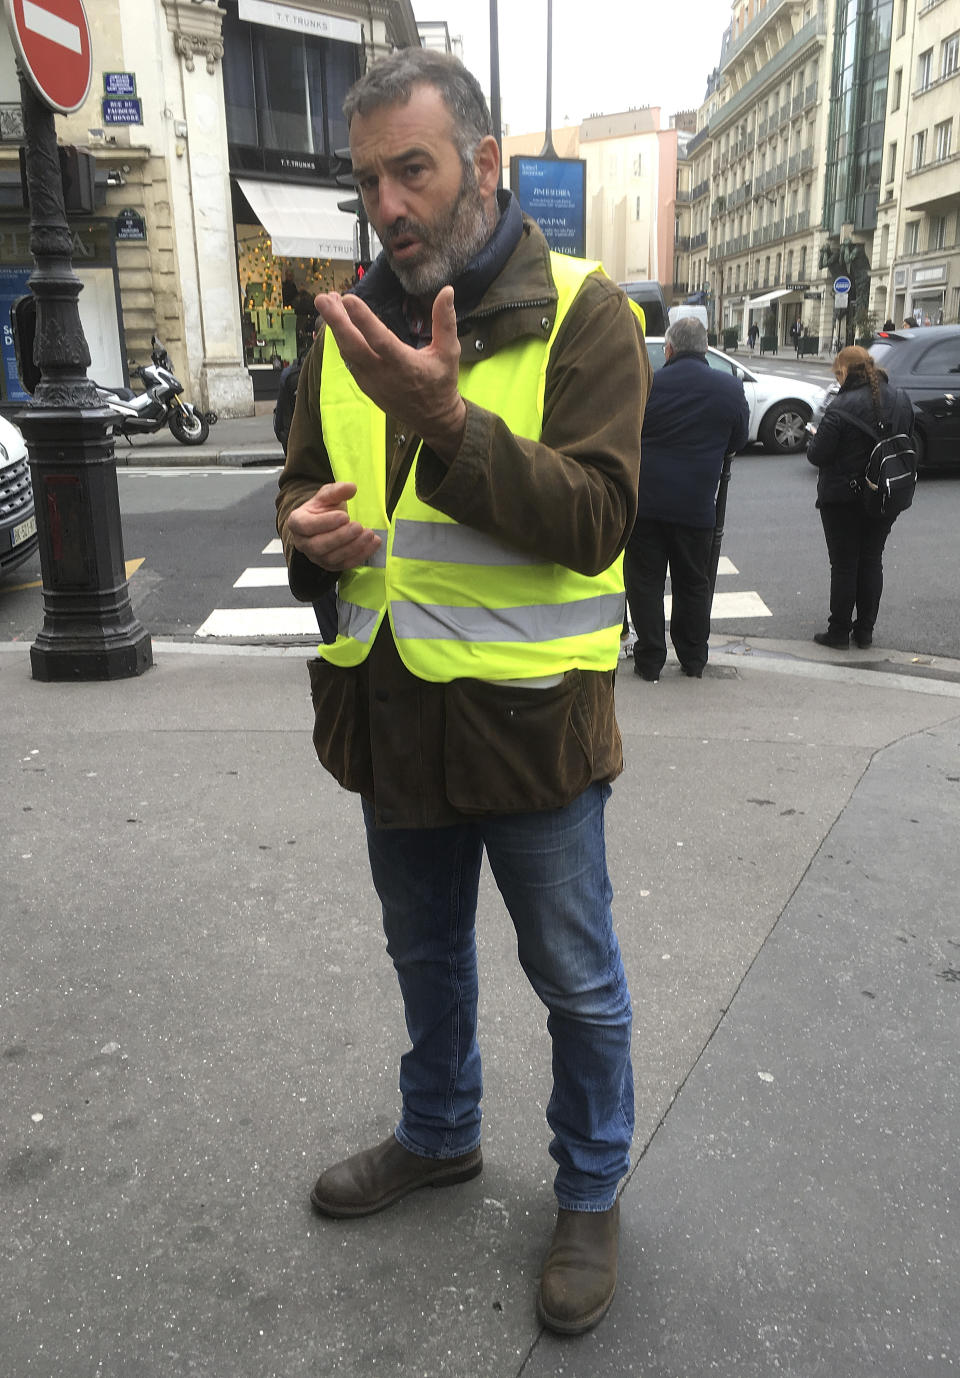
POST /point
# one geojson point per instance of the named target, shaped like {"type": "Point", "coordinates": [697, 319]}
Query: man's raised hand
{"type": "Point", "coordinates": [418, 387]}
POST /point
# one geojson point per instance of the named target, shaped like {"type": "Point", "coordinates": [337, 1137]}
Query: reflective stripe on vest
{"type": "Point", "coordinates": [462, 603]}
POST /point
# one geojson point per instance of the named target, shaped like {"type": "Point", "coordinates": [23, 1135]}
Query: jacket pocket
{"type": "Point", "coordinates": [515, 750]}
{"type": "Point", "coordinates": [340, 732]}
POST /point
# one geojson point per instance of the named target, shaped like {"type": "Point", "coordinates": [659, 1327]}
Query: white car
{"type": "Point", "coordinates": [18, 521]}
{"type": "Point", "coordinates": [780, 407]}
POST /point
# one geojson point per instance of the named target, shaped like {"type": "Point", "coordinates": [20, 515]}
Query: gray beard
{"type": "Point", "coordinates": [450, 244]}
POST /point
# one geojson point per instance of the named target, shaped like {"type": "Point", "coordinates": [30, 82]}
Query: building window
{"type": "Point", "coordinates": [636, 213]}
{"type": "Point", "coordinates": [902, 19]}
{"type": "Point", "coordinates": [766, 271]}
{"type": "Point", "coordinates": [790, 266]}
{"type": "Point", "coordinates": [919, 149]}
{"type": "Point", "coordinates": [950, 55]}
{"type": "Point", "coordinates": [897, 89]}
{"type": "Point", "coordinates": [943, 137]}
{"type": "Point", "coordinates": [803, 263]}
{"type": "Point", "coordinates": [924, 69]}
{"type": "Point", "coordinates": [892, 161]}
{"type": "Point", "coordinates": [937, 237]}
{"type": "Point", "coordinates": [284, 91]}
{"type": "Point", "coordinates": [636, 166]}
{"type": "Point", "coordinates": [911, 237]}
{"type": "Point", "coordinates": [776, 271]}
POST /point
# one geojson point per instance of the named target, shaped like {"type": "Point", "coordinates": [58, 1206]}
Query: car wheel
{"type": "Point", "coordinates": [782, 429]}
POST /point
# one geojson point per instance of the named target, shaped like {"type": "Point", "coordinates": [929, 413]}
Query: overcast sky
{"type": "Point", "coordinates": [608, 55]}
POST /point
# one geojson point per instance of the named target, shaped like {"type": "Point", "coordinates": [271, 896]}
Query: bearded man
{"type": "Point", "coordinates": [463, 463]}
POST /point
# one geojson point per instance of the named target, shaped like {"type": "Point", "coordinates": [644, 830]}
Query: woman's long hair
{"type": "Point", "coordinates": [861, 369]}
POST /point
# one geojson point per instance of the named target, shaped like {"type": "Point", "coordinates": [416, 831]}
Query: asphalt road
{"type": "Point", "coordinates": [196, 533]}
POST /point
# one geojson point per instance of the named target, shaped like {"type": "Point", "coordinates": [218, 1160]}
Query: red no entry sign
{"type": "Point", "coordinates": [52, 40]}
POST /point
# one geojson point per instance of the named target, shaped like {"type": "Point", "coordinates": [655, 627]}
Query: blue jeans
{"type": "Point", "coordinates": [551, 870]}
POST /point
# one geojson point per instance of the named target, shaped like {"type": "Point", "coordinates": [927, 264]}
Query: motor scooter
{"type": "Point", "coordinates": [159, 405]}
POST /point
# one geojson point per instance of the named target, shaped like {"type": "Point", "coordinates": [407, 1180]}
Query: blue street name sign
{"type": "Point", "coordinates": [122, 111]}
{"type": "Point", "coordinates": [119, 84]}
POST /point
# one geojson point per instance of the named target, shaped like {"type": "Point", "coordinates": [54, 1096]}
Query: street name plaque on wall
{"type": "Point", "coordinates": [130, 225]}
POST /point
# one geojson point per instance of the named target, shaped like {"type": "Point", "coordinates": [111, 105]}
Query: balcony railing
{"type": "Point", "coordinates": [810, 94]}
{"type": "Point", "coordinates": [697, 241]}
{"type": "Point", "coordinates": [701, 189]}
{"type": "Point", "coordinates": [806, 158]}
{"type": "Point", "coordinates": [815, 28]}
{"type": "Point", "coordinates": [682, 244]}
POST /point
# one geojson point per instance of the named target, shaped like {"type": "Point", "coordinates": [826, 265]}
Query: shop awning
{"type": "Point", "coordinates": [767, 298]}
{"type": "Point", "coordinates": [302, 221]}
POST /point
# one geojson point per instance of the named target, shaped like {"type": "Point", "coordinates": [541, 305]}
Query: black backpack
{"type": "Point", "coordinates": [889, 479]}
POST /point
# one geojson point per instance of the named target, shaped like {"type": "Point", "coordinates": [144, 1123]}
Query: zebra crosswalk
{"type": "Point", "coordinates": [248, 619]}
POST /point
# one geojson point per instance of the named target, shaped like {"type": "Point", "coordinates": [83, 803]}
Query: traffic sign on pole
{"type": "Point", "coordinates": [841, 285]}
{"type": "Point", "coordinates": [52, 40]}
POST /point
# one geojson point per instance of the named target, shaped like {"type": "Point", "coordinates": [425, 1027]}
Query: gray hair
{"type": "Point", "coordinates": [391, 81]}
{"type": "Point", "coordinates": [687, 336]}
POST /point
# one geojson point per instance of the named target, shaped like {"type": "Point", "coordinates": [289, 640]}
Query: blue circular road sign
{"type": "Point", "coordinates": [841, 284]}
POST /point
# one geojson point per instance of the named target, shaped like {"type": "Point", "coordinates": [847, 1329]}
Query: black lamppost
{"type": "Point", "coordinates": [89, 631]}
{"type": "Point", "coordinates": [495, 81]}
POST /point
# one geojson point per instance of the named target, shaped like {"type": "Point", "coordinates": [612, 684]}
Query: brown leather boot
{"type": "Point", "coordinates": [375, 1178]}
{"type": "Point", "coordinates": [580, 1271]}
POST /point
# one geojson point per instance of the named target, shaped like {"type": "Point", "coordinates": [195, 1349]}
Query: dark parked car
{"type": "Point", "coordinates": [18, 521]}
{"type": "Point", "coordinates": [926, 363]}
{"type": "Point", "coordinates": [649, 295]}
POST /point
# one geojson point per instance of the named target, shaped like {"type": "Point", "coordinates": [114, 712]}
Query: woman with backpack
{"type": "Point", "coordinates": [866, 416]}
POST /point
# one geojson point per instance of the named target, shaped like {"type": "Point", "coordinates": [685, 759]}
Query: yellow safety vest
{"type": "Point", "coordinates": [462, 604]}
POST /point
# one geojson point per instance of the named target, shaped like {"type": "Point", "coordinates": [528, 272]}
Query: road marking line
{"type": "Point", "coordinates": [746, 604]}
{"type": "Point", "coordinates": [263, 577]}
{"type": "Point", "coordinates": [52, 27]}
{"type": "Point", "coordinates": [299, 620]}
{"type": "Point", "coordinates": [295, 621]}
{"type": "Point", "coordinates": [274, 547]}
{"type": "Point", "coordinates": [726, 566]}
{"type": "Point", "coordinates": [133, 565]}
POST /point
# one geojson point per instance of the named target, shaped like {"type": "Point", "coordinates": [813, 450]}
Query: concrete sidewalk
{"type": "Point", "coordinates": [236, 441]}
{"type": "Point", "coordinates": [198, 1015]}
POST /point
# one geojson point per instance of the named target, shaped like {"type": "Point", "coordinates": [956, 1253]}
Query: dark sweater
{"type": "Point", "coordinates": [695, 416]}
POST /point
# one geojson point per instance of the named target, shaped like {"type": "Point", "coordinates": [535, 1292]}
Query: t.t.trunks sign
{"type": "Point", "coordinates": [553, 192]}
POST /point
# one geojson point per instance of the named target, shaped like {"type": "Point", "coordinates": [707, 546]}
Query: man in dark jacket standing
{"type": "Point", "coordinates": [695, 416]}
{"type": "Point", "coordinates": [463, 461]}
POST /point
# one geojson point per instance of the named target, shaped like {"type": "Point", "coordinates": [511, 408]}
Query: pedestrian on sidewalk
{"type": "Point", "coordinates": [796, 334]}
{"type": "Point", "coordinates": [695, 416]}
{"type": "Point", "coordinates": [839, 449]}
{"type": "Point", "coordinates": [753, 335]}
{"type": "Point", "coordinates": [464, 458]}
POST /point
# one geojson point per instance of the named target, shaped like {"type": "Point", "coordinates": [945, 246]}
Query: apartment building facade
{"type": "Point", "coordinates": [757, 172]}
{"type": "Point", "coordinates": [917, 263]}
